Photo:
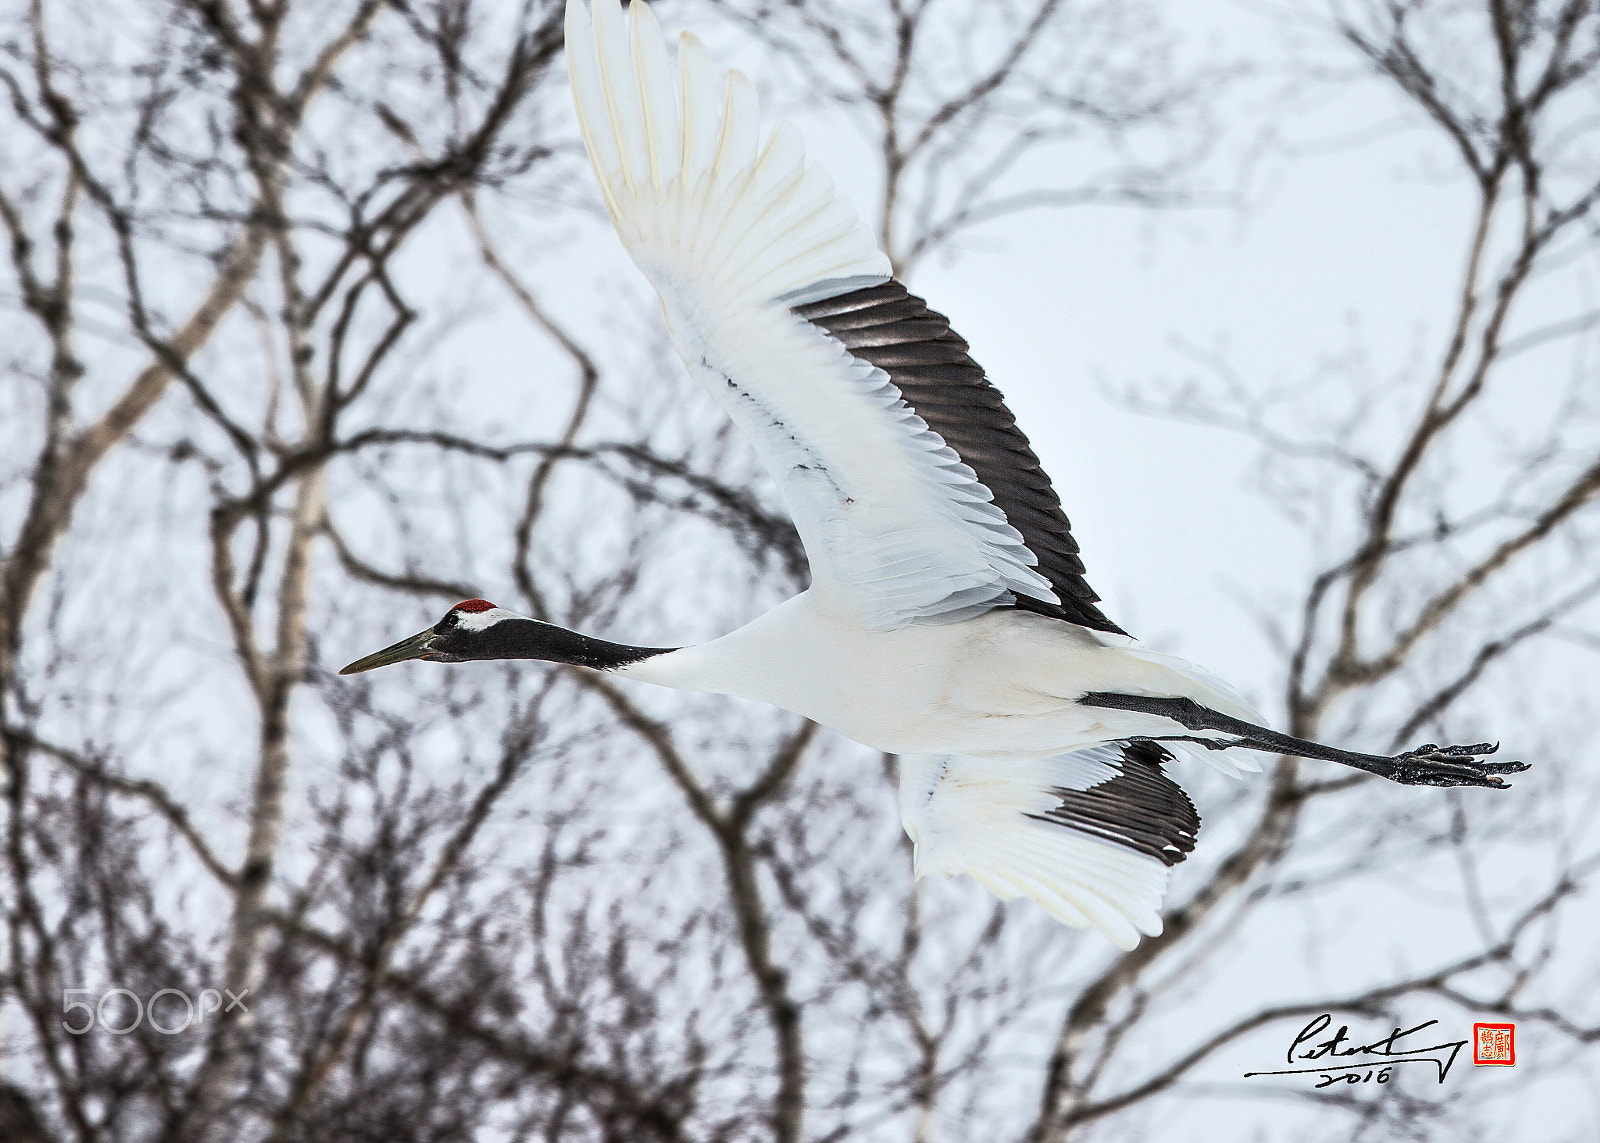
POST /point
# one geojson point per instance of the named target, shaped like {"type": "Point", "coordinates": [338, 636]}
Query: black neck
{"type": "Point", "coordinates": [530, 639]}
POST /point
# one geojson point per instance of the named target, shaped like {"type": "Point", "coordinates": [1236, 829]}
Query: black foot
{"type": "Point", "coordinates": [1431, 765]}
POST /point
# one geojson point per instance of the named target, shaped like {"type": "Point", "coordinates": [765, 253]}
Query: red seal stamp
{"type": "Point", "coordinates": [1494, 1044]}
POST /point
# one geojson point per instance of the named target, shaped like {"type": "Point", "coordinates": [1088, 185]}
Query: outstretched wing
{"type": "Point", "coordinates": [1089, 835]}
{"type": "Point", "coordinates": [916, 496]}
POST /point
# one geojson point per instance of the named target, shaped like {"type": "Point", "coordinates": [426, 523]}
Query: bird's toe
{"type": "Point", "coordinates": [1434, 765]}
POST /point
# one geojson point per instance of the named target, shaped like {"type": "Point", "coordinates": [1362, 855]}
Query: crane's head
{"type": "Point", "coordinates": [477, 629]}
{"type": "Point", "coordinates": [472, 629]}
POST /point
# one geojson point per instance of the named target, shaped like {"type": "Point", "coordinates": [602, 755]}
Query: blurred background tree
{"type": "Point", "coordinates": [312, 326]}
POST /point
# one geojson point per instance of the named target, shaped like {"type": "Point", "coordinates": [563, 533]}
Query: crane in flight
{"type": "Point", "coordinates": [948, 620]}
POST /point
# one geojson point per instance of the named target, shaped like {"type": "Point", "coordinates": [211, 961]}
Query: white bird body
{"type": "Point", "coordinates": [1001, 685]}
{"type": "Point", "coordinates": [948, 620]}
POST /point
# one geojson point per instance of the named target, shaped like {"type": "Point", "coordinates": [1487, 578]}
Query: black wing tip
{"type": "Point", "coordinates": [888, 326]}
{"type": "Point", "coordinates": [1141, 809]}
{"type": "Point", "coordinates": [1076, 612]}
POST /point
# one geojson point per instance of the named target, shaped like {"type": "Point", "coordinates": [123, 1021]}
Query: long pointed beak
{"type": "Point", "coordinates": [416, 647]}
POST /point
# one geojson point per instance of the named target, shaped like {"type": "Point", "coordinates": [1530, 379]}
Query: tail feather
{"type": "Point", "coordinates": [1233, 762]}
{"type": "Point", "coordinates": [1169, 675]}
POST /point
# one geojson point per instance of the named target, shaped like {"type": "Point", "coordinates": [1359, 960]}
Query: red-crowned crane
{"type": "Point", "coordinates": [948, 620]}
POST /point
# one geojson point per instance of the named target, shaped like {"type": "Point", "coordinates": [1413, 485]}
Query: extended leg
{"type": "Point", "coordinates": [1428, 765]}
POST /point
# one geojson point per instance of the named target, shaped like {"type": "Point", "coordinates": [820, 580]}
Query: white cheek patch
{"type": "Point", "coordinates": [479, 620]}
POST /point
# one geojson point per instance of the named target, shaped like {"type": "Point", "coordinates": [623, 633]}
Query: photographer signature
{"type": "Point", "coordinates": [1337, 1060]}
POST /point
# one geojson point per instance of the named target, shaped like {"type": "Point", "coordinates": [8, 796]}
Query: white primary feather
{"type": "Point", "coordinates": [733, 233]}
{"type": "Point", "coordinates": [680, 173]}
{"type": "Point", "coordinates": [975, 816]}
